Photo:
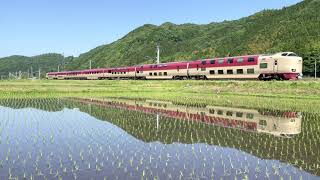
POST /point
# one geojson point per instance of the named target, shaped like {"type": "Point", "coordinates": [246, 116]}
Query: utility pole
{"type": "Point", "coordinates": [62, 61]}
{"type": "Point", "coordinates": [39, 73]}
{"type": "Point", "coordinates": [90, 63]}
{"type": "Point", "coordinates": [158, 54]}
{"type": "Point", "coordinates": [315, 67]}
{"type": "Point", "coordinates": [31, 72]}
{"type": "Point", "coordinates": [158, 122]}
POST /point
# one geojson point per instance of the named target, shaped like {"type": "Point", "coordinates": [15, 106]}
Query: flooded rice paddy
{"type": "Point", "coordinates": [75, 138]}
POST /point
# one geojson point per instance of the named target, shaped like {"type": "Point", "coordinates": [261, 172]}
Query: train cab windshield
{"type": "Point", "coordinates": [289, 54]}
{"type": "Point", "coordinates": [292, 54]}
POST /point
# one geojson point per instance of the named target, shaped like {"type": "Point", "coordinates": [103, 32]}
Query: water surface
{"type": "Point", "coordinates": [120, 139]}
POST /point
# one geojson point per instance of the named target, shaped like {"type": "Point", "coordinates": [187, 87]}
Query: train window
{"type": "Point", "coordinates": [230, 61]}
{"type": "Point", "coordinates": [251, 59]}
{"type": "Point", "coordinates": [239, 114]}
{"type": "Point", "coordinates": [229, 113]}
{"type": "Point", "coordinates": [138, 72]}
{"type": "Point", "coordinates": [203, 69]}
{"type": "Point", "coordinates": [249, 116]}
{"type": "Point", "coordinates": [204, 62]}
{"type": "Point", "coordinates": [150, 74]}
{"type": "Point", "coordinates": [211, 71]}
{"type": "Point", "coordinates": [160, 73]}
{"type": "Point", "coordinates": [109, 71]}
{"type": "Point", "coordinates": [197, 67]}
{"type": "Point", "coordinates": [263, 123]}
{"type": "Point", "coordinates": [165, 73]}
{"type": "Point", "coordinates": [178, 68]}
{"type": "Point", "coordinates": [221, 61]}
{"type": "Point", "coordinates": [220, 71]}
{"type": "Point", "coordinates": [220, 112]}
{"type": "Point", "coordinates": [284, 54]}
{"type": "Point", "coordinates": [263, 65]}
{"type": "Point", "coordinates": [155, 74]}
{"type": "Point", "coordinates": [211, 111]}
{"type": "Point", "coordinates": [229, 71]}
{"type": "Point", "coordinates": [212, 61]}
{"type": "Point", "coordinates": [239, 71]}
{"type": "Point", "coordinates": [250, 71]}
{"type": "Point", "coordinates": [239, 60]}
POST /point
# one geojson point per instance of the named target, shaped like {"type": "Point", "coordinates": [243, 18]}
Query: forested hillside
{"type": "Point", "coordinates": [295, 28]}
{"type": "Point", "coordinates": [46, 62]}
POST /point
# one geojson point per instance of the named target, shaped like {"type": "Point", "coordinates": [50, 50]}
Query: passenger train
{"type": "Point", "coordinates": [280, 66]}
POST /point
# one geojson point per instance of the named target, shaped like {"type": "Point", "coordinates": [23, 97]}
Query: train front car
{"type": "Point", "coordinates": [281, 66]}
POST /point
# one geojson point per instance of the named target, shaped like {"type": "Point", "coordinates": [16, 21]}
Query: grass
{"type": "Point", "coordinates": [284, 95]}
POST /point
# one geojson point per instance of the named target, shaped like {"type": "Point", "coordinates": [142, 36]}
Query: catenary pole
{"type": "Point", "coordinates": [158, 54]}
{"type": "Point", "coordinates": [315, 68]}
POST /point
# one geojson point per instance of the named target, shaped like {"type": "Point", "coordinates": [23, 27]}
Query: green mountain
{"type": "Point", "coordinates": [295, 28]}
{"type": "Point", "coordinates": [46, 62]}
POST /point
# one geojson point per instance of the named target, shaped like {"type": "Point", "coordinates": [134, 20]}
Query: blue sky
{"type": "Point", "coordinates": [72, 27]}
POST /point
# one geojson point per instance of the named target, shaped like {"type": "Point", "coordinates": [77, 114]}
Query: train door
{"type": "Point", "coordinates": [275, 66]}
{"type": "Point", "coordinates": [188, 70]}
{"type": "Point", "coordinates": [135, 72]}
{"type": "Point", "coordinates": [197, 73]}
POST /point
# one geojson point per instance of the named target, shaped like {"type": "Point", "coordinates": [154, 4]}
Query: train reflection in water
{"type": "Point", "coordinates": [278, 123]}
